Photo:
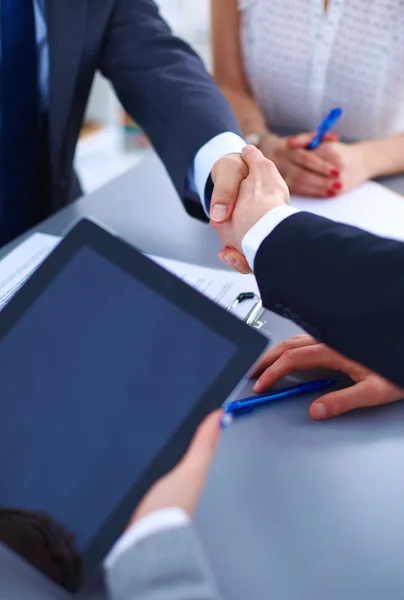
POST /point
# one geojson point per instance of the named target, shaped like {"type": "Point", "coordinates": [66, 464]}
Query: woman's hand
{"type": "Point", "coordinates": [306, 172]}
{"type": "Point", "coordinates": [304, 352]}
{"type": "Point", "coordinates": [352, 160]}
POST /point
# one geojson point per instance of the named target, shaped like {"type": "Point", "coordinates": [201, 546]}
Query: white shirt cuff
{"type": "Point", "coordinates": [156, 522]}
{"type": "Point", "coordinates": [208, 155]}
{"type": "Point", "coordinates": [257, 234]}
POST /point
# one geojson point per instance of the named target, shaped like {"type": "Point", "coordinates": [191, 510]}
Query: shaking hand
{"type": "Point", "coordinates": [261, 191]}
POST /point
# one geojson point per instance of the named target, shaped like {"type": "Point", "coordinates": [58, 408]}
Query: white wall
{"type": "Point", "coordinates": [190, 20]}
{"type": "Point", "coordinates": [187, 17]}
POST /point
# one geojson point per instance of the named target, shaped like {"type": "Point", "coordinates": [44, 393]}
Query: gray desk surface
{"type": "Point", "coordinates": [293, 509]}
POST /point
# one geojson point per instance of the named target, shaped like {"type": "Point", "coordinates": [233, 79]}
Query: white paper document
{"type": "Point", "coordinates": [17, 266]}
{"type": "Point", "coordinates": [371, 206]}
{"type": "Point", "coordinates": [219, 285]}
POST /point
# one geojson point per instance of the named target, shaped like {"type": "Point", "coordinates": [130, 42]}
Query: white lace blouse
{"type": "Point", "coordinates": [301, 62]}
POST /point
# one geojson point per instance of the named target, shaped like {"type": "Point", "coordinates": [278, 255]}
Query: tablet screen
{"type": "Point", "coordinates": [95, 376]}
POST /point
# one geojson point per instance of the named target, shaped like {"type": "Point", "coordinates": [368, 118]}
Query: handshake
{"type": "Point", "coordinates": [255, 189]}
{"type": "Point", "coordinates": [246, 188]}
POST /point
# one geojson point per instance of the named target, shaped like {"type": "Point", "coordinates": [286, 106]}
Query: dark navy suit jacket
{"type": "Point", "coordinates": [158, 78]}
{"type": "Point", "coordinates": [341, 284]}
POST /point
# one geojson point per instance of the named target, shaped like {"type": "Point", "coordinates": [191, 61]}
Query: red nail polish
{"type": "Point", "coordinates": [334, 173]}
{"type": "Point", "coordinates": [337, 185]}
{"type": "Point", "coordinates": [331, 193]}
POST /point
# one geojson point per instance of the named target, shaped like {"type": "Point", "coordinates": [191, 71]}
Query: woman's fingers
{"type": "Point", "coordinates": [312, 162]}
{"type": "Point", "coordinates": [302, 140]}
{"type": "Point", "coordinates": [303, 182]}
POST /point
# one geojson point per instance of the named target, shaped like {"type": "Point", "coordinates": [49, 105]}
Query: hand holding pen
{"type": "Point", "coordinates": [309, 143]}
{"type": "Point", "coordinates": [355, 162]}
{"type": "Point", "coordinates": [306, 172]}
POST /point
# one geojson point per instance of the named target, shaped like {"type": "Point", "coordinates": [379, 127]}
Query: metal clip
{"type": "Point", "coordinates": [254, 313]}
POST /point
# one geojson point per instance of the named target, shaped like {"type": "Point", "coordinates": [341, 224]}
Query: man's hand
{"type": "Point", "coordinates": [304, 352]}
{"type": "Point", "coordinates": [261, 191]}
{"type": "Point", "coordinates": [182, 487]}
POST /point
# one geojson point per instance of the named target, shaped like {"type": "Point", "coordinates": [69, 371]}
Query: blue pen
{"type": "Point", "coordinates": [246, 405]}
{"type": "Point", "coordinates": [324, 127]}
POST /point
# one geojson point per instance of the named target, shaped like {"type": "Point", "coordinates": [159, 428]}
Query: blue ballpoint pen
{"type": "Point", "coordinates": [325, 127]}
{"type": "Point", "coordinates": [239, 407]}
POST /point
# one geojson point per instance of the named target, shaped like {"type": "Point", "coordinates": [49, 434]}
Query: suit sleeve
{"type": "Point", "coordinates": [341, 284]}
{"type": "Point", "coordinates": [164, 86]}
{"type": "Point", "coordinates": [168, 566]}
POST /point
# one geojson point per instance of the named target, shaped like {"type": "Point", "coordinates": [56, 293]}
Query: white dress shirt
{"type": "Point", "coordinates": [257, 234]}
{"type": "Point", "coordinates": [155, 522]}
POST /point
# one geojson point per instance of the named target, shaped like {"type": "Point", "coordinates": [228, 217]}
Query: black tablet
{"type": "Point", "coordinates": [108, 363]}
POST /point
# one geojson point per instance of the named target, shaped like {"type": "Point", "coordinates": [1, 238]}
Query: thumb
{"type": "Point", "coordinates": [201, 451]}
{"type": "Point", "coordinates": [339, 402]}
{"type": "Point", "coordinates": [227, 176]}
{"type": "Point", "coordinates": [372, 391]}
{"type": "Point", "coordinates": [253, 158]}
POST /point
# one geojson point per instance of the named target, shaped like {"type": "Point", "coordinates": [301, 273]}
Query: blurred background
{"type": "Point", "coordinates": [110, 143]}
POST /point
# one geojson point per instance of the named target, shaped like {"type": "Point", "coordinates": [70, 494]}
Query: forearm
{"type": "Point", "coordinates": [384, 156]}
{"type": "Point", "coordinates": [164, 86]}
{"type": "Point", "coordinates": [249, 115]}
{"type": "Point", "coordinates": [252, 120]}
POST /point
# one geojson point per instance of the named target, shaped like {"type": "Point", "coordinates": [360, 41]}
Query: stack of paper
{"type": "Point", "coordinates": [17, 266]}
{"type": "Point", "coordinates": [219, 285]}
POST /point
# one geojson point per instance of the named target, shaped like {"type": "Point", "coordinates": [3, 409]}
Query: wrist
{"type": "Point", "coordinates": [254, 237]}
{"type": "Point", "coordinates": [370, 158]}
{"type": "Point", "coordinates": [270, 146]}
{"type": "Point", "coordinates": [256, 137]}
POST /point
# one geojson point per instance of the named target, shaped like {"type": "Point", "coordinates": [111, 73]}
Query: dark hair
{"type": "Point", "coordinates": [44, 543]}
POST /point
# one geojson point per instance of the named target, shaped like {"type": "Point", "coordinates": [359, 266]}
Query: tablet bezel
{"type": "Point", "coordinates": [250, 344]}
